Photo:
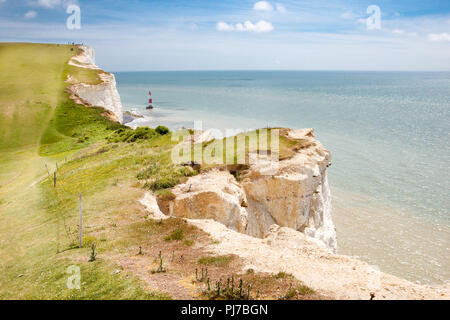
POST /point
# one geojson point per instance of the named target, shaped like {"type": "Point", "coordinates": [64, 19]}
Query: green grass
{"type": "Point", "coordinates": [31, 85]}
{"type": "Point", "coordinates": [125, 134]}
{"type": "Point", "coordinates": [234, 152]}
{"type": "Point", "coordinates": [175, 235]}
{"type": "Point", "coordinates": [74, 127]}
{"type": "Point", "coordinates": [165, 195]}
{"type": "Point", "coordinates": [162, 174]}
{"type": "Point", "coordinates": [39, 125]}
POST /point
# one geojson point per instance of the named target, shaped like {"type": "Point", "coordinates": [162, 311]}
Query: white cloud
{"type": "Point", "coordinates": [281, 8]}
{"type": "Point", "coordinates": [398, 31]}
{"type": "Point", "coordinates": [349, 15]}
{"type": "Point", "coordinates": [263, 6]}
{"type": "Point", "coordinates": [439, 37]}
{"type": "Point", "coordinates": [401, 32]}
{"type": "Point", "coordinates": [362, 21]}
{"type": "Point", "coordinates": [268, 7]}
{"type": "Point", "coordinates": [52, 4]}
{"type": "Point", "coordinates": [3, 1]}
{"type": "Point", "coordinates": [173, 50]}
{"type": "Point", "coordinates": [223, 26]}
{"type": "Point", "coordinates": [259, 27]}
{"type": "Point", "coordinates": [49, 3]}
{"type": "Point", "coordinates": [30, 14]}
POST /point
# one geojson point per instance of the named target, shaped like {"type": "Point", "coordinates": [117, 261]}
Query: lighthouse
{"type": "Point", "coordinates": [150, 100]}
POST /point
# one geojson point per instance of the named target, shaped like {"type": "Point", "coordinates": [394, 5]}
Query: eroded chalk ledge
{"type": "Point", "coordinates": [306, 258]}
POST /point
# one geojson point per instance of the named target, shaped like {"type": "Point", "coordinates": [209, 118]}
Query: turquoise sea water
{"type": "Point", "coordinates": [388, 133]}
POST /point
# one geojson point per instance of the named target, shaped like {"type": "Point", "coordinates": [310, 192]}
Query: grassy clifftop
{"type": "Point", "coordinates": [39, 126]}
{"type": "Point", "coordinates": [111, 166]}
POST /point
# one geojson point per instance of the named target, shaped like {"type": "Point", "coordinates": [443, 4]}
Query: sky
{"type": "Point", "coordinates": [139, 35]}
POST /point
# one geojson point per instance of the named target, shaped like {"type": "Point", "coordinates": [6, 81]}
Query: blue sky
{"type": "Point", "coordinates": [244, 34]}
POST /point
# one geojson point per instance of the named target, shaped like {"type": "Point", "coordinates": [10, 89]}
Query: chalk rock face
{"type": "Point", "coordinates": [214, 195]}
{"type": "Point", "coordinates": [295, 195]}
{"type": "Point", "coordinates": [86, 59]}
{"type": "Point", "coordinates": [104, 94]}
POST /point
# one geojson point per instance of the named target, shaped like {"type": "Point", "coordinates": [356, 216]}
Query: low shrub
{"type": "Point", "coordinates": [162, 130]}
{"type": "Point", "coordinates": [161, 175]}
{"type": "Point", "coordinates": [283, 275]}
{"type": "Point", "coordinates": [162, 183]}
{"type": "Point", "coordinates": [165, 195]}
{"type": "Point", "coordinates": [175, 235]}
{"type": "Point", "coordinates": [129, 135]}
{"type": "Point", "coordinates": [88, 241]}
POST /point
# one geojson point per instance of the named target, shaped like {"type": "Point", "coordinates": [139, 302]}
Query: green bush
{"type": "Point", "coordinates": [162, 130]}
{"type": "Point", "coordinates": [166, 195]}
{"type": "Point", "coordinates": [162, 175]}
{"type": "Point", "coordinates": [162, 183]}
{"type": "Point", "coordinates": [129, 135]}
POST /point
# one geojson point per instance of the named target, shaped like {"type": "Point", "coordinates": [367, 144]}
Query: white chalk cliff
{"type": "Point", "coordinates": [104, 94]}
{"type": "Point", "coordinates": [295, 195]}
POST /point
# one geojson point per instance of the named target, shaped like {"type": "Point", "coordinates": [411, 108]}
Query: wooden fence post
{"type": "Point", "coordinates": [80, 244]}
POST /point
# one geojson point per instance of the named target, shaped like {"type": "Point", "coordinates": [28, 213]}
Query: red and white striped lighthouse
{"type": "Point", "coordinates": [150, 100]}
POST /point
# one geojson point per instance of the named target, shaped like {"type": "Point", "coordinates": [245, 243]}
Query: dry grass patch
{"type": "Point", "coordinates": [257, 286]}
{"type": "Point", "coordinates": [216, 261]}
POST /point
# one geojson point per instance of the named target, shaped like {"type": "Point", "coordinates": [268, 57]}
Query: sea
{"type": "Point", "coordinates": [389, 134]}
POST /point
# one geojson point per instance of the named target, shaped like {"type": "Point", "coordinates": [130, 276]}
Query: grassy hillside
{"type": "Point", "coordinates": [39, 125]}
{"type": "Point", "coordinates": [30, 87]}
{"type": "Point", "coordinates": [111, 166]}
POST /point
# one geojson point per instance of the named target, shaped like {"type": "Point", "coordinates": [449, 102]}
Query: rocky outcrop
{"type": "Point", "coordinates": [295, 195]}
{"type": "Point", "coordinates": [214, 195]}
{"type": "Point", "coordinates": [104, 94]}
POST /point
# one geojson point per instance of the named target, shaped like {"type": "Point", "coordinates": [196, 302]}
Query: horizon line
{"type": "Point", "coordinates": [279, 70]}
